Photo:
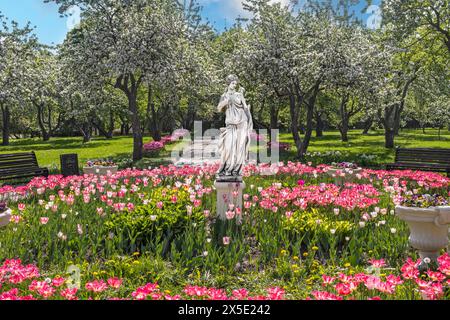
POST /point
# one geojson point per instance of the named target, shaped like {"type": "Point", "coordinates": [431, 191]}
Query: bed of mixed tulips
{"type": "Point", "coordinates": [154, 234]}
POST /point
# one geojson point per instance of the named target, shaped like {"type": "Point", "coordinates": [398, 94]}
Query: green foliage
{"type": "Point", "coordinates": [311, 224]}
{"type": "Point", "coordinates": [145, 227]}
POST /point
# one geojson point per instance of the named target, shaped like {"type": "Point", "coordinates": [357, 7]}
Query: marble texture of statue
{"type": "Point", "coordinates": [234, 141]}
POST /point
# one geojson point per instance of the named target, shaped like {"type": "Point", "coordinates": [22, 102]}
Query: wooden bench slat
{"type": "Point", "coordinates": [419, 165]}
{"type": "Point", "coordinates": [426, 159]}
{"type": "Point", "coordinates": [18, 162]}
{"type": "Point", "coordinates": [20, 169]}
{"type": "Point", "coordinates": [23, 154]}
{"type": "Point", "coordinates": [20, 165]}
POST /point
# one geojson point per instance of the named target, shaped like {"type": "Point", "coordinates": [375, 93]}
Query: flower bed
{"type": "Point", "coordinates": [24, 282]}
{"type": "Point", "coordinates": [295, 225]}
{"type": "Point", "coordinates": [153, 148]}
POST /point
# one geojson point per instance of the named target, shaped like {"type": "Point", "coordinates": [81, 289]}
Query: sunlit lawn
{"type": "Point", "coordinates": [373, 143]}
{"type": "Point", "coordinates": [48, 152]}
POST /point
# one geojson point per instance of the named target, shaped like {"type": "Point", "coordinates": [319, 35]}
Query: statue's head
{"type": "Point", "coordinates": [232, 81]}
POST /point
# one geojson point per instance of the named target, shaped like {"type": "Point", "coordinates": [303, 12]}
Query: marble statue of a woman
{"type": "Point", "coordinates": [234, 142]}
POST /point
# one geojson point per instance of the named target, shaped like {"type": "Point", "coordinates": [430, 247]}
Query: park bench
{"type": "Point", "coordinates": [424, 159]}
{"type": "Point", "coordinates": [20, 165]}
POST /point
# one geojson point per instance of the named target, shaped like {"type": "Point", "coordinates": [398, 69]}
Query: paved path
{"type": "Point", "coordinates": [200, 152]}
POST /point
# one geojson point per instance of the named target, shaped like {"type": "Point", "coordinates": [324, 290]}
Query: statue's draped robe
{"type": "Point", "coordinates": [234, 143]}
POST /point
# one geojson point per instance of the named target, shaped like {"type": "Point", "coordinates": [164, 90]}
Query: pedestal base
{"type": "Point", "coordinates": [228, 193]}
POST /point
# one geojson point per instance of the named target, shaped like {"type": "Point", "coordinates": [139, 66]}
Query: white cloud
{"type": "Point", "coordinates": [231, 9]}
{"type": "Point", "coordinates": [74, 17]}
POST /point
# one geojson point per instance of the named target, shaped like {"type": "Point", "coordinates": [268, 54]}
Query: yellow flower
{"type": "Point", "coordinates": [136, 253]}
{"type": "Point", "coordinates": [283, 252]}
{"type": "Point", "coordinates": [295, 257]}
{"type": "Point", "coordinates": [305, 254]}
{"type": "Point", "coordinates": [136, 262]}
{"type": "Point", "coordinates": [294, 266]}
{"type": "Point", "coordinates": [315, 248]}
{"type": "Point", "coordinates": [347, 265]}
{"type": "Point", "coordinates": [95, 273]}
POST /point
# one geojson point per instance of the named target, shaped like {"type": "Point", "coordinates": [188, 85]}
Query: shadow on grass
{"type": "Point", "coordinates": [61, 144]}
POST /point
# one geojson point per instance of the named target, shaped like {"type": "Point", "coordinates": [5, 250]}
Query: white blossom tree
{"type": "Point", "coordinates": [16, 48]}
{"type": "Point", "coordinates": [126, 44]}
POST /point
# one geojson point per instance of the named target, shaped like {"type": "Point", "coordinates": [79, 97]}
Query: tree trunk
{"type": "Point", "coordinates": [343, 126]}
{"type": "Point", "coordinates": [110, 132]}
{"type": "Point", "coordinates": [45, 136]}
{"type": "Point", "coordinates": [273, 117]}
{"type": "Point", "coordinates": [397, 120]}
{"type": "Point", "coordinates": [294, 125]}
{"type": "Point", "coordinates": [191, 115]}
{"type": "Point", "coordinates": [367, 126]}
{"type": "Point", "coordinates": [344, 132]}
{"type": "Point", "coordinates": [130, 86]}
{"type": "Point", "coordinates": [6, 116]}
{"type": "Point", "coordinates": [309, 118]}
{"type": "Point", "coordinates": [86, 132]}
{"type": "Point", "coordinates": [319, 125]}
{"type": "Point", "coordinates": [389, 135]}
{"type": "Point", "coordinates": [99, 127]}
{"type": "Point", "coordinates": [399, 109]}
{"type": "Point", "coordinates": [40, 114]}
{"type": "Point", "coordinates": [136, 125]}
{"type": "Point", "coordinates": [153, 116]}
{"type": "Point", "coordinates": [301, 128]}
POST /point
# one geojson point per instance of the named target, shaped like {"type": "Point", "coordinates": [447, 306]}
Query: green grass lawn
{"type": "Point", "coordinates": [48, 152]}
{"type": "Point", "coordinates": [373, 143]}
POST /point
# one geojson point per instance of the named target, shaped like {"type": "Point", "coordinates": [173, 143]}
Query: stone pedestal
{"type": "Point", "coordinates": [228, 192]}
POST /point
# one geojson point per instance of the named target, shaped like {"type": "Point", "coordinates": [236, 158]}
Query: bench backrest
{"type": "Point", "coordinates": [423, 155]}
{"type": "Point", "coordinates": [18, 161]}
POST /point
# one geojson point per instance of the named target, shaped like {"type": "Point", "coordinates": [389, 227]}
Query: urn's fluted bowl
{"type": "Point", "coordinates": [428, 227]}
{"type": "Point", "coordinates": [5, 216]}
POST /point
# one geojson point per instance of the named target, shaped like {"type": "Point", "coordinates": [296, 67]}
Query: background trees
{"type": "Point", "coordinates": [151, 66]}
{"type": "Point", "coordinates": [16, 47]}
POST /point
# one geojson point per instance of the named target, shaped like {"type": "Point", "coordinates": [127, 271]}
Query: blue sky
{"type": "Point", "coordinates": [52, 29]}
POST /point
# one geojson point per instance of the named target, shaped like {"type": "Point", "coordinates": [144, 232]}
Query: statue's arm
{"type": "Point", "coordinates": [246, 106]}
{"type": "Point", "coordinates": [222, 104]}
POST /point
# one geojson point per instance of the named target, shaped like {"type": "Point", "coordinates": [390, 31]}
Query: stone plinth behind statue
{"type": "Point", "coordinates": [228, 192]}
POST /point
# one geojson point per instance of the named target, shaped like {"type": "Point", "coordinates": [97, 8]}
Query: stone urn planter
{"type": "Point", "coordinates": [5, 215]}
{"type": "Point", "coordinates": [429, 228]}
{"type": "Point", "coordinates": [343, 175]}
{"type": "Point", "coordinates": [100, 170]}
